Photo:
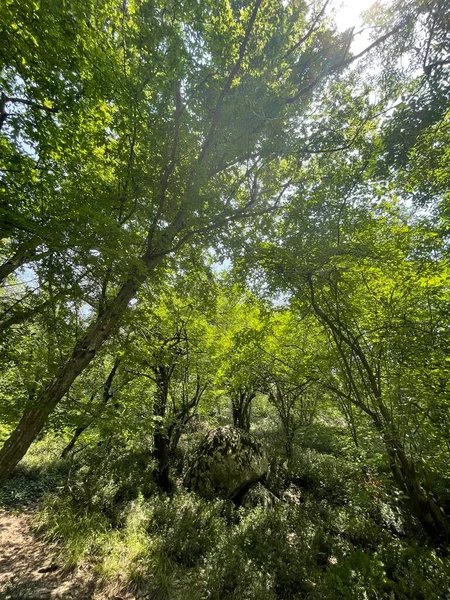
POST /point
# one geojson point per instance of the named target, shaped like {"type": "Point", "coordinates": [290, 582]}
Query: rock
{"type": "Point", "coordinates": [226, 463]}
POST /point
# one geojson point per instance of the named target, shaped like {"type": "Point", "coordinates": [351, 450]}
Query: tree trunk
{"type": "Point", "coordinates": [23, 253]}
{"type": "Point", "coordinates": [36, 415]}
{"type": "Point", "coordinates": [241, 404]}
{"type": "Point", "coordinates": [289, 440]}
{"type": "Point", "coordinates": [161, 455]}
{"type": "Point", "coordinates": [73, 441]}
{"type": "Point", "coordinates": [423, 507]}
{"type": "Point", "coordinates": [174, 439]}
{"type": "Point", "coordinates": [163, 374]}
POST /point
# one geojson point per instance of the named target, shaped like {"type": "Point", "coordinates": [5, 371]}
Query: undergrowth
{"type": "Point", "coordinates": [333, 533]}
{"type": "Point", "coordinates": [40, 473]}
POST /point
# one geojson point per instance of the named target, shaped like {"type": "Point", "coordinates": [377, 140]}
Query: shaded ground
{"type": "Point", "coordinates": [29, 568]}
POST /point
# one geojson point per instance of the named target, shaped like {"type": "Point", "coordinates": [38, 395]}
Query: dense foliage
{"type": "Point", "coordinates": [224, 214]}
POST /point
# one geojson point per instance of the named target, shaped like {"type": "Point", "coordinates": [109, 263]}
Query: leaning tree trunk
{"type": "Point", "coordinates": [36, 415]}
{"type": "Point", "coordinates": [26, 251]}
{"type": "Point", "coordinates": [67, 449]}
{"type": "Point", "coordinates": [432, 516]}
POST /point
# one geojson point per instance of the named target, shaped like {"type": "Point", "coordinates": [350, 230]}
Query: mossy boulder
{"type": "Point", "coordinates": [226, 463]}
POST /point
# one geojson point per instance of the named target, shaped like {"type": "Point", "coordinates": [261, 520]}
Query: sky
{"type": "Point", "coordinates": [348, 11]}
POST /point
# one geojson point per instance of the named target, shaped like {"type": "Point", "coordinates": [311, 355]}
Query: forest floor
{"type": "Point", "coordinates": [30, 569]}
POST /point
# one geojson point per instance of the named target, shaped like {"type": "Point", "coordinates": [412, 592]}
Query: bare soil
{"type": "Point", "coordinates": [30, 569]}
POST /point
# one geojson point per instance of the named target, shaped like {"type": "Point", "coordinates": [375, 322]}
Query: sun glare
{"type": "Point", "coordinates": [348, 12]}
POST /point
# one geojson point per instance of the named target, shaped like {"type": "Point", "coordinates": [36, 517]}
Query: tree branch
{"type": "Point", "coordinates": [231, 77]}
{"type": "Point", "coordinates": [4, 100]}
{"type": "Point", "coordinates": [309, 33]}
{"type": "Point", "coordinates": [344, 62]}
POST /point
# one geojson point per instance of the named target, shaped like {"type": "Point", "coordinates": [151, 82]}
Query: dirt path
{"type": "Point", "coordinates": [29, 568]}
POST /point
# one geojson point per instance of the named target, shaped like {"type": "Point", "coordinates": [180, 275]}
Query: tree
{"type": "Point", "coordinates": [170, 349]}
{"type": "Point", "coordinates": [240, 328]}
{"type": "Point", "coordinates": [290, 351]}
{"type": "Point", "coordinates": [107, 394]}
{"type": "Point", "coordinates": [190, 140]}
{"type": "Point", "coordinates": [421, 82]}
{"type": "Point", "coordinates": [375, 295]}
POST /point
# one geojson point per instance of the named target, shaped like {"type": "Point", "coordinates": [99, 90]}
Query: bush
{"type": "Point", "coordinates": [187, 526]}
{"type": "Point", "coordinates": [326, 477]}
{"type": "Point", "coordinates": [77, 529]}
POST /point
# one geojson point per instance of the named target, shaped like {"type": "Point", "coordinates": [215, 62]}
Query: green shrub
{"type": "Point", "coordinates": [107, 478]}
{"type": "Point", "coordinates": [270, 553]}
{"type": "Point", "coordinates": [187, 526]}
{"type": "Point", "coordinates": [77, 529]}
{"type": "Point", "coordinates": [326, 477]}
{"type": "Point", "coordinates": [356, 576]}
{"type": "Point", "coordinates": [416, 572]}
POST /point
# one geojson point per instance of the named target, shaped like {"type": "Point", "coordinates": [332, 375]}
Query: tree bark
{"type": "Point", "coordinates": [424, 508]}
{"type": "Point", "coordinates": [241, 404]}
{"type": "Point", "coordinates": [161, 476]}
{"type": "Point", "coordinates": [25, 251]}
{"type": "Point", "coordinates": [36, 415]}
{"type": "Point", "coordinates": [161, 456]}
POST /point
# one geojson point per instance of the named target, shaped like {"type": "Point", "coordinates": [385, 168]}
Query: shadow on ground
{"type": "Point", "coordinates": [29, 569]}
